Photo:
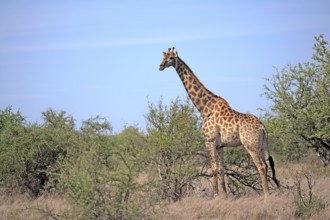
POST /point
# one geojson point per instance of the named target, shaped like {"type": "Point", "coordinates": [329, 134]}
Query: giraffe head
{"type": "Point", "coordinates": [169, 59]}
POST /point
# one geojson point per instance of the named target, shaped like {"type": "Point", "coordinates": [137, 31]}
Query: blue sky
{"type": "Point", "coordinates": [93, 58]}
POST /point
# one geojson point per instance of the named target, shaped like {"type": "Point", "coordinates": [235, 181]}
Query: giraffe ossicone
{"type": "Point", "coordinates": [222, 126]}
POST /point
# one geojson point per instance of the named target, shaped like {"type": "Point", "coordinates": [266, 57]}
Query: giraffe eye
{"type": "Point", "coordinates": [171, 58]}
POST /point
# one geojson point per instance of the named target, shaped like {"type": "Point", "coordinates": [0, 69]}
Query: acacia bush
{"type": "Point", "coordinates": [101, 176]}
{"type": "Point", "coordinates": [31, 153]}
{"type": "Point", "coordinates": [12, 163]}
{"type": "Point", "coordinates": [173, 139]}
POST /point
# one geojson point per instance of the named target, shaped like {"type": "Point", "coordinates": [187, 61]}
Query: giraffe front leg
{"type": "Point", "coordinates": [214, 165]}
{"type": "Point", "coordinates": [222, 170]}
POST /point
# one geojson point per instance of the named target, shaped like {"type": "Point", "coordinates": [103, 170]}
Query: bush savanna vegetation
{"type": "Point", "coordinates": [55, 170]}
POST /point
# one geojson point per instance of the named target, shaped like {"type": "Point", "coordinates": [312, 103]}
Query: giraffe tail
{"type": "Point", "coordinates": [271, 161]}
{"type": "Point", "coordinates": [272, 166]}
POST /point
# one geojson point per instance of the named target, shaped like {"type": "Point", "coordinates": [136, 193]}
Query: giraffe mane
{"type": "Point", "coordinates": [197, 80]}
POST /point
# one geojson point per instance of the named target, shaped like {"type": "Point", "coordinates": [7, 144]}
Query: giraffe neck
{"type": "Point", "coordinates": [203, 99]}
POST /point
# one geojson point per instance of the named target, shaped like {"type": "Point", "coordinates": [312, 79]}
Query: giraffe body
{"type": "Point", "coordinates": [222, 126]}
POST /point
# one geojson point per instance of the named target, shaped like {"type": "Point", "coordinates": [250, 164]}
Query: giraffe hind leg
{"type": "Point", "coordinates": [260, 162]}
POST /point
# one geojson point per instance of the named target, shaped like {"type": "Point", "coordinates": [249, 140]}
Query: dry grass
{"type": "Point", "coordinates": [21, 206]}
{"type": "Point", "coordinates": [280, 204]}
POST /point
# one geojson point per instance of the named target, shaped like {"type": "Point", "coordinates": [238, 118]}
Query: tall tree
{"type": "Point", "coordinates": [300, 115]}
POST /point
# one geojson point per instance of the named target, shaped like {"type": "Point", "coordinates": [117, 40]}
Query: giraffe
{"type": "Point", "coordinates": [222, 126]}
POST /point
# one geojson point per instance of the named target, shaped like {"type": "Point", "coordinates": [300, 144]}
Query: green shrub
{"type": "Point", "coordinates": [101, 176]}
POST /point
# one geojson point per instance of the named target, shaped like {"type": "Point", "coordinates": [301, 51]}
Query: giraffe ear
{"type": "Point", "coordinates": [164, 54]}
{"type": "Point", "coordinates": [176, 54]}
